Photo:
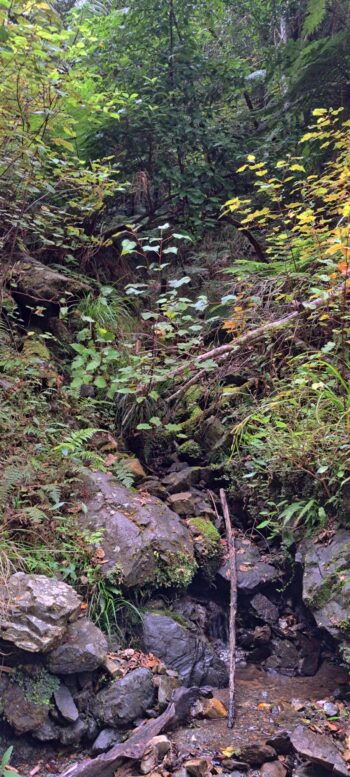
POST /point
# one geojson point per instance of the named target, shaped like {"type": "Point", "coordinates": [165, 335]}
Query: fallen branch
{"type": "Point", "coordinates": [233, 608]}
{"type": "Point", "coordinates": [303, 309]}
{"type": "Point", "coordinates": [107, 764]}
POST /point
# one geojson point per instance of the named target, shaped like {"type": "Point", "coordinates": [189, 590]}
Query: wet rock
{"type": "Point", "coordinates": [253, 571]}
{"type": "Point", "coordinates": [285, 657]}
{"type": "Point", "coordinates": [134, 466]}
{"type": "Point", "coordinates": [326, 583]}
{"type": "Point", "coordinates": [198, 767]}
{"type": "Point", "coordinates": [83, 648]}
{"type": "Point", "coordinates": [65, 703]}
{"type": "Point", "coordinates": [264, 608]}
{"type": "Point", "coordinates": [256, 753]}
{"type": "Point", "coordinates": [35, 611]}
{"type": "Point", "coordinates": [155, 752]}
{"type": "Point", "coordinates": [106, 739]}
{"type": "Point", "coordinates": [181, 649]}
{"type": "Point", "coordinates": [154, 487]}
{"type": "Point", "coordinates": [281, 742]}
{"type": "Point", "coordinates": [262, 635]}
{"type": "Point", "coordinates": [122, 701]}
{"type": "Point", "coordinates": [319, 749]}
{"type": "Point", "coordinates": [273, 769]}
{"type": "Point", "coordinates": [309, 655]}
{"type": "Point", "coordinates": [234, 766]}
{"type": "Point", "coordinates": [143, 539]}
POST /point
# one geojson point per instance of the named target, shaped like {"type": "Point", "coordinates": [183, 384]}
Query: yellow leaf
{"type": "Point", "coordinates": [228, 752]}
{"type": "Point", "coordinates": [251, 158]}
{"type": "Point", "coordinates": [298, 167]}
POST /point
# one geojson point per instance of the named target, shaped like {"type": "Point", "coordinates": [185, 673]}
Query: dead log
{"type": "Point", "coordinates": [106, 764]}
{"type": "Point", "coordinates": [233, 608]}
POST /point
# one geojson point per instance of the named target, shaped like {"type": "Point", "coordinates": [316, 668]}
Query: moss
{"type": "Point", "coordinates": [177, 570]}
{"type": "Point", "coordinates": [330, 587]}
{"type": "Point", "coordinates": [37, 688]}
{"type": "Point", "coordinates": [191, 450]}
{"type": "Point", "coordinates": [207, 545]}
{"type": "Point", "coordinates": [173, 615]}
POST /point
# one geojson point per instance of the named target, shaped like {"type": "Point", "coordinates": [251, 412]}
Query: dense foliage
{"type": "Point", "coordinates": [185, 167]}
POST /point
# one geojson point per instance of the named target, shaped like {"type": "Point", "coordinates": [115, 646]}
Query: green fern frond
{"type": "Point", "coordinates": [315, 14]}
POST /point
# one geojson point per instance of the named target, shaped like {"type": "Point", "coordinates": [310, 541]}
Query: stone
{"type": "Point", "coordinates": [23, 713]}
{"type": "Point", "coordinates": [143, 540]}
{"type": "Point", "coordinates": [285, 657]}
{"type": "Point", "coordinates": [198, 767]}
{"type": "Point", "coordinates": [72, 735]}
{"type": "Point", "coordinates": [264, 608]}
{"type": "Point", "coordinates": [330, 709]}
{"type": "Point", "coordinates": [212, 434]}
{"type": "Point", "coordinates": [36, 281]}
{"type": "Point", "coordinates": [181, 649]}
{"type": "Point", "coordinates": [319, 749]}
{"type": "Point", "coordinates": [133, 465]}
{"type": "Point", "coordinates": [83, 649]}
{"type": "Point", "coordinates": [273, 769]}
{"type": "Point", "coordinates": [65, 703]}
{"type": "Point", "coordinates": [183, 503]}
{"type": "Point", "coordinates": [35, 611]}
{"type": "Point", "coordinates": [165, 686]}
{"type": "Point", "coordinates": [106, 739]}
{"type": "Point", "coordinates": [326, 583]}
{"type": "Point", "coordinates": [253, 571]}
{"type": "Point", "coordinates": [122, 701]}
{"type": "Point", "coordinates": [182, 480]}
{"type": "Point", "coordinates": [281, 742]}
{"type": "Point", "coordinates": [155, 752]}
{"type": "Point", "coordinates": [213, 709]}
{"type": "Point", "coordinates": [47, 732]}
{"type": "Point", "coordinates": [309, 651]}
{"type": "Point", "coordinates": [256, 753]}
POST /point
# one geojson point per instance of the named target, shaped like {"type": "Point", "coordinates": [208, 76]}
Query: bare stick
{"type": "Point", "coordinates": [233, 607]}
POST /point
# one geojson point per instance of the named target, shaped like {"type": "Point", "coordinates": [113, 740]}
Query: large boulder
{"type": "Point", "coordinates": [84, 648]}
{"type": "Point", "coordinates": [253, 569]}
{"type": "Point", "coordinates": [181, 649]}
{"type": "Point", "coordinates": [35, 611]}
{"type": "Point", "coordinates": [35, 284]}
{"type": "Point", "coordinates": [319, 749]}
{"type": "Point", "coordinates": [143, 540]}
{"type": "Point", "coordinates": [122, 701]}
{"type": "Point", "coordinates": [326, 583]}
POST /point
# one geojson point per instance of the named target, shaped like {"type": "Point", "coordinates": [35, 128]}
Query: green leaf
{"type": "Point", "coordinates": [143, 426]}
{"type": "Point", "coordinates": [100, 382]}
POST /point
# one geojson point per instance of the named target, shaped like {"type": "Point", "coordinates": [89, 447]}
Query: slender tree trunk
{"type": "Point", "coordinates": [233, 608]}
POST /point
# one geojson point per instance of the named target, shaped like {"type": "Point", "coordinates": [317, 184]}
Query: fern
{"type": "Point", "coordinates": [35, 514]}
{"type": "Point", "coordinates": [11, 477]}
{"type": "Point", "coordinates": [315, 14]}
{"type": "Point", "coordinates": [123, 473]}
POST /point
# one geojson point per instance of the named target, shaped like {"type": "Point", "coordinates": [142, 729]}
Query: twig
{"type": "Point", "coordinates": [233, 607]}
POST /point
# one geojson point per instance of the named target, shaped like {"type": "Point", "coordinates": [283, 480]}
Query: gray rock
{"type": "Point", "coordinates": [264, 608]}
{"type": "Point", "coordinates": [106, 739]}
{"type": "Point", "coordinates": [125, 700]}
{"type": "Point", "coordinates": [183, 502]}
{"type": "Point", "coordinates": [285, 657]}
{"type": "Point", "coordinates": [319, 749]}
{"type": "Point", "coordinates": [181, 649]}
{"type": "Point", "coordinates": [47, 732]}
{"type": "Point", "coordinates": [65, 703]}
{"type": "Point", "coordinates": [143, 540]}
{"type": "Point", "coordinates": [253, 571]}
{"type": "Point", "coordinates": [165, 686]}
{"type": "Point", "coordinates": [182, 480]}
{"type": "Point", "coordinates": [326, 583]}
{"type": "Point", "coordinates": [35, 611]}
{"type": "Point", "coordinates": [84, 648]}
{"type": "Point", "coordinates": [281, 742]}
{"type": "Point", "coordinates": [72, 735]}
{"type": "Point", "coordinates": [212, 434]}
{"type": "Point", "coordinates": [330, 709]}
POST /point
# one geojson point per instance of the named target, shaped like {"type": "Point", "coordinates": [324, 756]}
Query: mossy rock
{"type": "Point", "coordinates": [207, 544]}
